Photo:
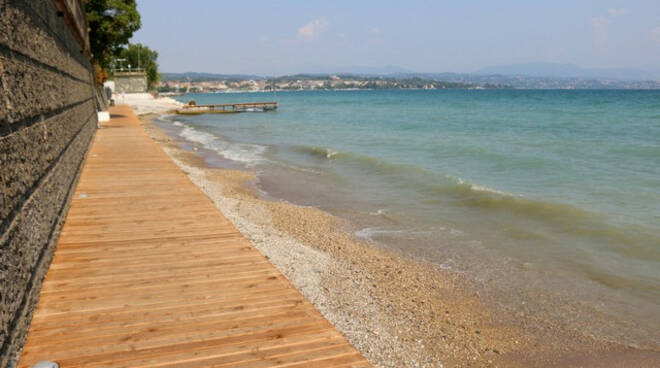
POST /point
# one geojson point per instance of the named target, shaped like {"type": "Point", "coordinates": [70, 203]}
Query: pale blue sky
{"type": "Point", "coordinates": [281, 37]}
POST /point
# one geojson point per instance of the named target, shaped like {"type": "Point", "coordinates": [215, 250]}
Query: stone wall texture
{"type": "Point", "coordinates": [47, 119]}
{"type": "Point", "coordinates": [130, 82]}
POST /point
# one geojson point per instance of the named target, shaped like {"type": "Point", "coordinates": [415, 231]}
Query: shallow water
{"type": "Point", "coordinates": [527, 191]}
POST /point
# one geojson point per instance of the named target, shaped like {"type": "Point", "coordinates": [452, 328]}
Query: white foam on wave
{"type": "Point", "coordinates": [249, 154]}
{"type": "Point", "coordinates": [194, 135]}
{"type": "Point", "coordinates": [379, 212]}
{"type": "Point", "coordinates": [448, 264]}
{"type": "Point", "coordinates": [481, 188]}
{"type": "Point", "coordinates": [167, 116]}
{"type": "Point", "coordinates": [301, 169]}
{"type": "Point", "coordinates": [179, 124]}
{"type": "Point", "coordinates": [330, 153]}
{"type": "Point", "coordinates": [455, 233]}
{"type": "Point", "coordinates": [385, 214]}
{"type": "Point", "coordinates": [370, 232]}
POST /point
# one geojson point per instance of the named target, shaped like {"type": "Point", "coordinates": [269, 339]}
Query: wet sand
{"type": "Point", "coordinates": [398, 311]}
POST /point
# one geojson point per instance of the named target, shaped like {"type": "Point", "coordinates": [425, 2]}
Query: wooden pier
{"type": "Point", "coordinates": [148, 273]}
{"type": "Point", "coordinates": [227, 108]}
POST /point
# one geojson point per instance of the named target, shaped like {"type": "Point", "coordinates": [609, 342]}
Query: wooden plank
{"type": "Point", "coordinates": [226, 350]}
{"type": "Point", "coordinates": [165, 311]}
{"type": "Point", "coordinates": [80, 317]}
{"type": "Point", "coordinates": [171, 327]}
{"type": "Point", "coordinates": [148, 273]}
{"type": "Point", "coordinates": [196, 351]}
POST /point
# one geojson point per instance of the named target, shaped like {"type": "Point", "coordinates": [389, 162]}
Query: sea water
{"type": "Point", "coordinates": [548, 199]}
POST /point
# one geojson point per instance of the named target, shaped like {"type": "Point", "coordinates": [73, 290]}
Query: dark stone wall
{"type": "Point", "coordinates": [47, 120]}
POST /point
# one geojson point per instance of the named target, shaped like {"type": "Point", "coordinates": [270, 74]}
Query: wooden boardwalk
{"type": "Point", "coordinates": [148, 273]}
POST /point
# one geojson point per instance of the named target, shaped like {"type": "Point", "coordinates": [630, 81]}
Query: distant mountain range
{"type": "Point", "coordinates": [196, 77]}
{"type": "Point", "coordinates": [364, 70]}
{"type": "Point", "coordinates": [554, 70]}
{"type": "Point", "coordinates": [537, 82]}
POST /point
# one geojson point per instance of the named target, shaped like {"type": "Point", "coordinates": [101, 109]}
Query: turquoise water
{"type": "Point", "coordinates": [509, 186]}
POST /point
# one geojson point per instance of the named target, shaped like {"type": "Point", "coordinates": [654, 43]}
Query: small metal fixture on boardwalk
{"type": "Point", "coordinates": [194, 109]}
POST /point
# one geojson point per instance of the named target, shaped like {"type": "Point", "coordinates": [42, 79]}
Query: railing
{"type": "Point", "coordinates": [128, 70]}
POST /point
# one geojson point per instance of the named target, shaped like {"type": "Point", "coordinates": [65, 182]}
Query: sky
{"type": "Point", "coordinates": [284, 37]}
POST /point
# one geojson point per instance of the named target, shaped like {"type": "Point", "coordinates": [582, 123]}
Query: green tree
{"type": "Point", "coordinates": [138, 55]}
{"type": "Point", "coordinates": [111, 23]}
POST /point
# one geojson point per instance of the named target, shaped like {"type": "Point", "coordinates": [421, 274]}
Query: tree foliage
{"type": "Point", "coordinates": [111, 23]}
{"type": "Point", "coordinates": [147, 60]}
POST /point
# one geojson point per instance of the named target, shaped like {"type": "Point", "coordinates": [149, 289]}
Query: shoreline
{"type": "Point", "coordinates": [397, 311]}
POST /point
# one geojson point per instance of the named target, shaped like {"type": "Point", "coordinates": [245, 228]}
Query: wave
{"type": "Point", "coordinates": [249, 154]}
{"type": "Point", "coordinates": [426, 180]}
{"type": "Point", "coordinates": [298, 168]}
{"type": "Point", "coordinates": [379, 212]}
{"type": "Point", "coordinates": [318, 152]}
{"type": "Point", "coordinates": [365, 163]}
{"type": "Point", "coordinates": [402, 171]}
{"type": "Point", "coordinates": [481, 188]}
{"type": "Point", "coordinates": [167, 117]}
{"type": "Point", "coordinates": [437, 189]}
{"type": "Point", "coordinates": [461, 193]}
{"type": "Point", "coordinates": [553, 218]}
{"type": "Point", "coordinates": [383, 213]}
{"type": "Point", "coordinates": [369, 232]}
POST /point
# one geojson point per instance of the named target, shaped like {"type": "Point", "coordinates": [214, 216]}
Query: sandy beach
{"type": "Point", "coordinates": [398, 311]}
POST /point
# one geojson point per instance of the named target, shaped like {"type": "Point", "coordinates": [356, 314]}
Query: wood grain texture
{"type": "Point", "coordinates": [148, 273]}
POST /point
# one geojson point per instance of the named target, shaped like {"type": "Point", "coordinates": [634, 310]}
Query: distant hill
{"type": "Point", "coordinates": [347, 70]}
{"type": "Point", "coordinates": [535, 82]}
{"type": "Point", "coordinates": [554, 70]}
{"type": "Point", "coordinates": [368, 71]}
{"type": "Point", "coordinates": [523, 76]}
{"type": "Point", "coordinates": [196, 77]}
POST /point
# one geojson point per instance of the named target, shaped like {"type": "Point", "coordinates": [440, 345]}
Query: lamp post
{"type": "Point", "coordinates": [120, 61]}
